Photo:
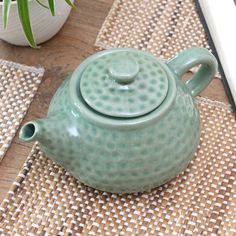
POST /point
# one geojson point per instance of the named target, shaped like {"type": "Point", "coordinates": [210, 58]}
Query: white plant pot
{"type": "Point", "coordinates": [44, 25]}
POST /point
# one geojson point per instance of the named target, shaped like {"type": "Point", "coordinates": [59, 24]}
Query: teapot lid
{"type": "Point", "coordinates": [124, 84]}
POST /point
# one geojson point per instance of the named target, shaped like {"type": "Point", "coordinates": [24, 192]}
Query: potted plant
{"type": "Point", "coordinates": [31, 22]}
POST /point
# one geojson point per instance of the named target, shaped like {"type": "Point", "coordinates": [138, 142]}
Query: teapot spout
{"type": "Point", "coordinates": [32, 131]}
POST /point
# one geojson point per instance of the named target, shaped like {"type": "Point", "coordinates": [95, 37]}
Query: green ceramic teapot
{"type": "Point", "coordinates": [125, 121]}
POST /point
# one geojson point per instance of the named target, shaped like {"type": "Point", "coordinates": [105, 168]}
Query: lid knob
{"type": "Point", "coordinates": [123, 69]}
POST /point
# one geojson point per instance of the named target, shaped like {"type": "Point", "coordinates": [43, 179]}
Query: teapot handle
{"type": "Point", "coordinates": [189, 58]}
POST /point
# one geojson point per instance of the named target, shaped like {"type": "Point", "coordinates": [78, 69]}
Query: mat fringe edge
{"type": "Point", "coordinates": [113, 9]}
{"type": "Point", "coordinates": [218, 104]}
{"type": "Point", "coordinates": [38, 70]}
{"type": "Point", "coordinates": [19, 179]}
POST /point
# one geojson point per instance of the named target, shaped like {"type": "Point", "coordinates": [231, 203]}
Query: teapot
{"type": "Point", "coordinates": [124, 121]}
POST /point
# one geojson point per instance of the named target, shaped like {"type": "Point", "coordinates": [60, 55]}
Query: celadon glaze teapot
{"type": "Point", "coordinates": [125, 121]}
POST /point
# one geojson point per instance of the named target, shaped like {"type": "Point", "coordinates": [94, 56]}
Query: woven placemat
{"type": "Point", "coordinates": [162, 27]}
{"type": "Point", "coordinates": [18, 85]}
{"type": "Point", "coordinates": [46, 200]}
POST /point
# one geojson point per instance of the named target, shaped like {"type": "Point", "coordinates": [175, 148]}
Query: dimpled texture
{"type": "Point", "coordinates": [121, 161]}
{"type": "Point", "coordinates": [105, 95]}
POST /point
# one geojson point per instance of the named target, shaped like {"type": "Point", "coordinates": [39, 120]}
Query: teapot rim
{"type": "Point", "coordinates": [113, 122]}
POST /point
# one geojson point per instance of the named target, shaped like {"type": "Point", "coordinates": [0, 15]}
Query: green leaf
{"type": "Point", "coordinates": [23, 11]}
{"type": "Point", "coordinates": [51, 4]}
{"type": "Point", "coordinates": [5, 12]}
{"type": "Point", "coordinates": [70, 4]}
{"type": "Point", "coordinates": [42, 4]}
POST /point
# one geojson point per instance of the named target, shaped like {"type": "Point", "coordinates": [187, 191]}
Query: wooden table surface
{"type": "Point", "coordinates": [59, 56]}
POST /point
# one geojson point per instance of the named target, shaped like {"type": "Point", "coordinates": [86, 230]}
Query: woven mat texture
{"type": "Point", "coordinates": [18, 85]}
{"type": "Point", "coordinates": [46, 200]}
{"type": "Point", "coordinates": [162, 27]}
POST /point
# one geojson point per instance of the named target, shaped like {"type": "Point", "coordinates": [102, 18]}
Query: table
{"type": "Point", "coordinates": [59, 56]}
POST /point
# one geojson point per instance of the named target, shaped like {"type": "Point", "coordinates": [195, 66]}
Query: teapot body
{"type": "Point", "coordinates": [124, 161]}
{"type": "Point", "coordinates": [125, 121]}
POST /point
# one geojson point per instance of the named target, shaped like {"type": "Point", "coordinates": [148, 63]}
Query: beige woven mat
{"type": "Point", "coordinates": [18, 85]}
{"type": "Point", "coordinates": [163, 27]}
{"type": "Point", "coordinates": [46, 200]}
